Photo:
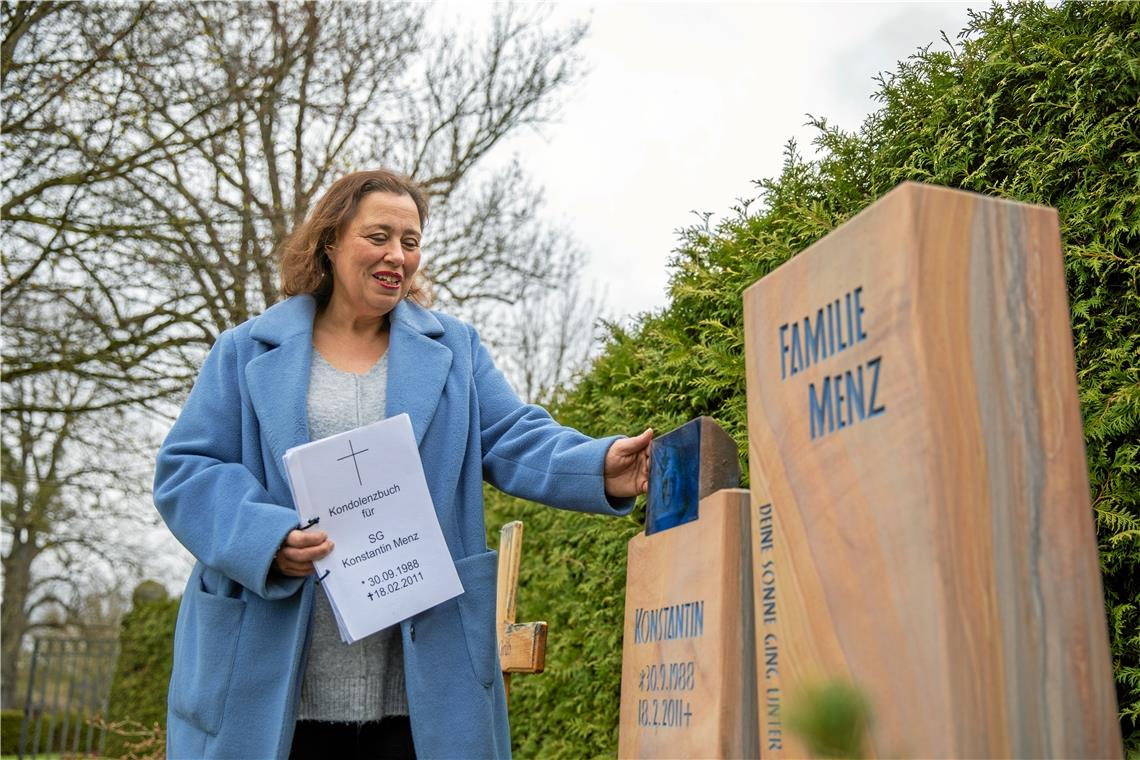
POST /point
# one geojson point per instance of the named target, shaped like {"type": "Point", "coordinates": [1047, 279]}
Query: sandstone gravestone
{"type": "Point", "coordinates": [688, 660]}
{"type": "Point", "coordinates": [920, 497]}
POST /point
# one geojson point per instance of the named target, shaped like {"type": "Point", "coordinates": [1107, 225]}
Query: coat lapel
{"type": "Point", "coordinates": [418, 365]}
{"type": "Point", "coordinates": [278, 379]}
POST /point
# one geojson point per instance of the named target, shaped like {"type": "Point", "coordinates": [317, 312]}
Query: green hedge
{"type": "Point", "coordinates": [142, 674]}
{"type": "Point", "coordinates": [51, 726]}
{"type": "Point", "coordinates": [10, 721]}
{"type": "Point", "coordinates": [1033, 103]}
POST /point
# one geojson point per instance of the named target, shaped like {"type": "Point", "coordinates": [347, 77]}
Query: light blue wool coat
{"type": "Point", "coordinates": [242, 632]}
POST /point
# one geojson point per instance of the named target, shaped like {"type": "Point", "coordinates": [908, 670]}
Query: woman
{"type": "Point", "coordinates": [258, 668]}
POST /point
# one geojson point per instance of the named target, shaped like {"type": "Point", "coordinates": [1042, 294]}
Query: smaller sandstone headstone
{"type": "Point", "coordinates": [688, 686]}
{"type": "Point", "coordinates": [688, 683]}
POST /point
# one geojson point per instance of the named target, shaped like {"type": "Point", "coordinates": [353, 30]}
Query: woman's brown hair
{"type": "Point", "coordinates": [305, 267]}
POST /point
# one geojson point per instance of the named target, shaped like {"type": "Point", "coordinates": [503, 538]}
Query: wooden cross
{"type": "Point", "coordinates": [522, 646]}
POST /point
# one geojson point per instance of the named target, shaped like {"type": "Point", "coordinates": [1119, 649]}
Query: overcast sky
{"type": "Point", "coordinates": [686, 103]}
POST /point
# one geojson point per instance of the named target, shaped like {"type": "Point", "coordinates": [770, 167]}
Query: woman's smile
{"type": "Point", "coordinates": [388, 280]}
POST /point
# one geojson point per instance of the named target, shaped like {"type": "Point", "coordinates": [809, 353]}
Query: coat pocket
{"type": "Point", "coordinates": [477, 613]}
{"type": "Point", "coordinates": [205, 646]}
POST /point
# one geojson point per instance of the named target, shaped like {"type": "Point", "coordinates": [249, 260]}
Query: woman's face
{"type": "Point", "coordinates": [378, 252]}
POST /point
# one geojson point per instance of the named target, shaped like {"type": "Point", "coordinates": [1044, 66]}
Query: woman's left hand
{"type": "Point", "coordinates": [627, 466]}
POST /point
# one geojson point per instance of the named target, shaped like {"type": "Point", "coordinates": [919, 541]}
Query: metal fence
{"type": "Point", "coordinates": [69, 684]}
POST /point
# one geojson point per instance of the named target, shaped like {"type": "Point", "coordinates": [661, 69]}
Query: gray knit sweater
{"type": "Point", "coordinates": [362, 681]}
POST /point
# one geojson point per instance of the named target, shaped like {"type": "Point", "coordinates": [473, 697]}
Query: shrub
{"type": "Point", "coordinates": [10, 721]}
{"type": "Point", "coordinates": [142, 674]}
{"type": "Point", "coordinates": [51, 731]}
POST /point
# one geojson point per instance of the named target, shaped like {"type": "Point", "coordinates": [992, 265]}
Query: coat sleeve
{"type": "Point", "coordinates": [213, 503]}
{"type": "Point", "coordinates": [529, 455]}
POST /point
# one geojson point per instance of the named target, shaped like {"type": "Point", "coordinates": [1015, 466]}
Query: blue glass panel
{"type": "Point", "coordinates": [674, 478]}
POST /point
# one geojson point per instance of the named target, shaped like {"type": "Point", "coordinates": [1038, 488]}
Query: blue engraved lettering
{"type": "Point", "coordinates": [859, 315]}
{"type": "Point", "coordinates": [814, 340]}
{"type": "Point", "coordinates": [875, 364]}
{"type": "Point", "coordinates": [855, 394]}
{"type": "Point", "coordinates": [677, 621]}
{"type": "Point", "coordinates": [769, 603]}
{"type": "Point", "coordinates": [818, 406]}
{"type": "Point", "coordinates": [766, 527]}
{"type": "Point", "coordinates": [839, 398]}
{"type": "Point", "coordinates": [768, 584]}
{"type": "Point", "coordinates": [783, 350]}
{"type": "Point", "coordinates": [797, 349]}
{"type": "Point", "coordinates": [771, 656]}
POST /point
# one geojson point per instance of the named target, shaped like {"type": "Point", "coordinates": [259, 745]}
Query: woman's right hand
{"type": "Point", "coordinates": [296, 555]}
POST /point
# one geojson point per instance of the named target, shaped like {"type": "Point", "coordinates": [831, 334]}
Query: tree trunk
{"type": "Point", "coordinates": [14, 616]}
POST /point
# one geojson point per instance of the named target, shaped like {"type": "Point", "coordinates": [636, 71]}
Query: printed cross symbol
{"type": "Point", "coordinates": [353, 454]}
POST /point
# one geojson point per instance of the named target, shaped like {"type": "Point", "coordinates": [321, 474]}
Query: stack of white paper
{"type": "Point", "coordinates": [368, 491]}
